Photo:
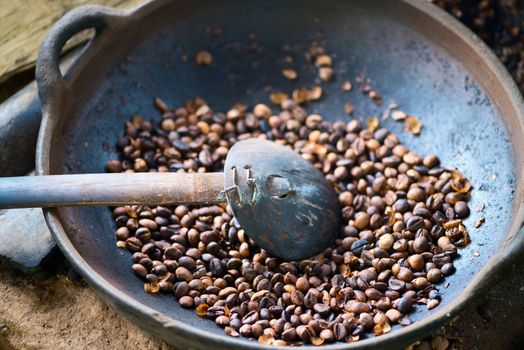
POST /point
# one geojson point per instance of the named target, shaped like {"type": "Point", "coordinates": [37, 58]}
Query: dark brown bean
{"type": "Point", "coordinates": [305, 333]}
{"type": "Point", "coordinates": [186, 301]}
{"type": "Point", "coordinates": [289, 335]}
{"type": "Point", "coordinates": [404, 305]}
{"type": "Point", "coordinates": [392, 247]}
{"type": "Point", "coordinates": [461, 209]}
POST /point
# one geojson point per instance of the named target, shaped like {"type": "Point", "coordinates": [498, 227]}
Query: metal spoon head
{"type": "Point", "coordinates": [282, 202]}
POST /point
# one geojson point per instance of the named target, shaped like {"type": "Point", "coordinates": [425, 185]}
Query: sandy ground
{"type": "Point", "coordinates": [58, 313]}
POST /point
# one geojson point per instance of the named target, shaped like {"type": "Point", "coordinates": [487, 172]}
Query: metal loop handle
{"type": "Point", "coordinates": [51, 84]}
{"type": "Point", "coordinates": [48, 75]}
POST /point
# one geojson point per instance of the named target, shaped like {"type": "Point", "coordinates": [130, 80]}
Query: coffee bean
{"type": "Point", "coordinates": [327, 335]}
{"type": "Point", "coordinates": [250, 318]}
{"type": "Point", "coordinates": [431, 161]}
{"type": "Point", "coordinates": [140, 270]}
{"type": "Point", "coordinates": [414, 223]}
{"type": "Point", "coordinates": [183, 274]}
{"type": "Point", "coordinates": [386, 241]}
{"type": "Point", "coordinates": [305, 333]}
{"type": "Point", "coordinates": [358, 246]}
{"type": "Point", "coordinates": [122, 233]}
{"type": "Point", "coordinates": [404, 305]}
{"type": "Point", "coordinates": [420, 282]}
{"type": "Point", "coordinates": [393, 315]}
{"type": "Point", "coordinates": [447, 269]}
{"type": "Point", "coordinates": [133, 244]}
{"type": "Point", "coordinates": [420, 245]}
{"type": "Point", "coordinates": [361, 220]}
{"type": "Point", "coordinates": [147, 223]}
{"type": "Point", "coordinates": [187, 262]}
{"type": "Point", "coordinates": [186, 301]}
{"type": "Point", "coordinates": [341, 173]}
{"type": "Point", "coordinates": [405, 274]}
{"type": "Point", "coordinates": [395, 242]}
{"type": "Point", "coordinates": [357, 307]}
{"type": "Point", "coordinates": [416, 262]}
{"type": "Point", "coordinates": [222, 321]}
{"type": "Point", "coordinates": [322, 309]}
{"type": "Point", "coordinates": [432, 303]}
{"type": "Point", "coordinates": [416, 194]}
{"type": "Point", "coordinates": [340, 331]}
{"type": "Point", "coordinates": [297, 297]}
{"type": "Point", "coordinates": [289, 335]}
{"type": "Point", "coordinates": [434, 275]}
{"type": "Point", "coordinates": [461, 209]}
{"type": "Point", "coordinates": [396, 285]}
{"type": "Point", "coordinates": [401, 206]}
{"type": "Point", "coordinates": [302, 284]}
{"type": "Point", "coordinates": [246, 330]}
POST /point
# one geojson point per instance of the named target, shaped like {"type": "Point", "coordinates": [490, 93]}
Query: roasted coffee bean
{"type": "Point", "coordinates": [401, 206]}
{"type": "Point", "coordinates": [434, 275]}
{"type": "Point", "coordinates": [404, 305]}
{"type": "Point", "coordinates": [416, 262]}
{"type": "Point", "coordinates": [416, 194]}
{"type": "Point", "coordinates": [340, 331]}
{"type": "Point", "coordinates": [133, 244]}
{"type": "Point", "coordinates": [414, 223]}
{"type": "Point", "coordinates": [357, 307]}
{"type": "Point", "coordinates": [393, 315]}
{"type": "Point", "coordinates": [250, 318]}
{"type": "Point", "coordinates": [396, 285]}
{"type": "Point", "coordinates": [183, 274]}
{"type": "Point", "coordinates": [187, 262]}
{"type": "Point", "coordinates": [140, 270]}
{"type": "Point", "coordinates": [186, 301]}
{"type": "Point", "coordinates": [393, 245]}
{"type": "Point", "coordinates": [461, 209]}
{"type": "Point", "coordinates": [447, 269]}
{"type": "Point", "coordinates": [305, 332]}
{"type": "Point", "coordinates": [420, 245]}
{"type": "Point", "coordinates": [181, 289]}
{"type": "Point", "coordinates": [358, 246]}
{"type": "Point", "coordinates": [297, 297]}
{"type": "Point", "coordinates": [419, 282]}
{"type": "Point", "coordinates": [122, 233]}
{"type": "Point", "coordinates": [361, 220]}
{"type": "Point", "coordinates": [310, 299]}
{"type": "Point", "coordinates": [386, 241]}
{"type": "Point", "coordinates": [327, 335]}
{"type": "Point", "coordinates": [222, 321]}
{"type": "Point", "coordinates": [302, 284]}
{"type": "Point", "coordinates": [322, 309]}
{"type": "Point", "coordinates": [405, 274]}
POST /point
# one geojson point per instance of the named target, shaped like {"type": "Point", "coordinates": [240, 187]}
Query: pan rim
{"type": "Point", "coordinates": [121, 301]}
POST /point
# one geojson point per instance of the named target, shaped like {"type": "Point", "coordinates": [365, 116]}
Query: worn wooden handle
{"type": "Point", "coordinates": [111, 189]}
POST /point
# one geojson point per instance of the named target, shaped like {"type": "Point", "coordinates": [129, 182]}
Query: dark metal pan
{"type": "Point", "coordinates": [415, 53]}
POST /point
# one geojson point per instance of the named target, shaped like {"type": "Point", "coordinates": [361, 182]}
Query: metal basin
{"type": "Point", "coordinates": [413, 52]}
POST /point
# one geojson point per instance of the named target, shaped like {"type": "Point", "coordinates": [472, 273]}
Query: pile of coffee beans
{"type": "Point", "coordinates": [402, 224]}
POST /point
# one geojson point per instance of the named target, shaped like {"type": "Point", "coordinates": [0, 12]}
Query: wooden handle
{"type": "Point", "coordinates": [111, 189]}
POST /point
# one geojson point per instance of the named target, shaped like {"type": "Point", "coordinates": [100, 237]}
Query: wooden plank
{"type": "Point", "coordinates": [24, 23]}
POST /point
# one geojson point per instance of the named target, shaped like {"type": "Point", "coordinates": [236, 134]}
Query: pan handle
{"type": "Point", "coordinates": [52, 85]}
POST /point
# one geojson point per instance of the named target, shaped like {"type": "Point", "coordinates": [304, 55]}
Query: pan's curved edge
{"type": "Point", "coordinates": [149, 319]}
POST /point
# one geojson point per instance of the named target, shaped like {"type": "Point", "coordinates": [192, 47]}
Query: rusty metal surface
{"type": "Point", "coordinates": [434, 67]}
{"type": "Point", "coordinates": [111, 189]}
{"type": "Point", "coordinates": [285, 204]}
